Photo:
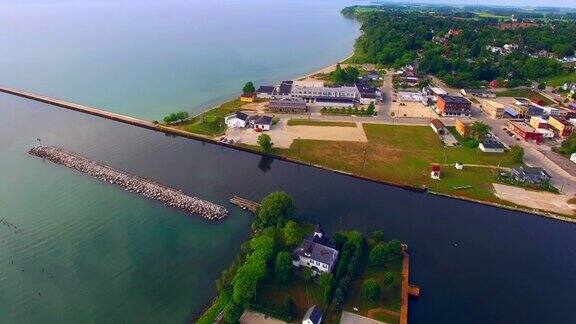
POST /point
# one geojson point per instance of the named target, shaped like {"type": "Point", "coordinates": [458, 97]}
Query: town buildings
{"type": "Point", "coordinates": [492, 108]}
{"type": "Point", "coordinates": [311, 91]}
{"type": "Point", "coordinates": [480, 93]}
{"type": "Point", "coordinates": [438, 127]}
{"type": "Point", "coordinates": [453, 105]}
{"type": "Point", "coordinates": [562, 128]}
{"type": "Point", "coordinates": [315, 252]}
{"type": "Point", "coordinates": [491, 145]}
{"type": "Point", "coordinates": [463, 128]}
{"type": "Point", "coordinates": [525, 131]}
{"type": "Point", "coordinates": [242, 120]}
{"type": "Point", "coordinates": [247, 97]}
{"type": "Point", "coordinates": [236, 120]}
{"type": "Point", "coordinates": [533, 175]}
{"type": "Point", "coordinates": [288, 106]}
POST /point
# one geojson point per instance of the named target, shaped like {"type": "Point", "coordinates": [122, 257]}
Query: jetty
{"type": "Point", "coordinates": [407, 288]}
{"type": "Point", "coordinates": [147, 188]}
{"type": "Point", "coordinates": [245, 204]}
{"type": "Point", "coordinates": [81, 108]}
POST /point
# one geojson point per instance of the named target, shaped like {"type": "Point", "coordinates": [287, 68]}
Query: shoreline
{"type": "Point", "coordinates": [176, 132]}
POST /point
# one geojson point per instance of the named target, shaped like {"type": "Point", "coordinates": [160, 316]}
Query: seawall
{"type": "Point", "coordinates": [147, 188]}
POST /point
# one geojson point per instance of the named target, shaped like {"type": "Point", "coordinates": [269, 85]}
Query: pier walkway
{"type": "Point", "coordinates": [244, 203]}
{"type": "Point", "coordinates": [407, 288]}
{"type": "Point", "coordinates": [81, 108]}
{"type": "Point", "coordinates": [147, 188]}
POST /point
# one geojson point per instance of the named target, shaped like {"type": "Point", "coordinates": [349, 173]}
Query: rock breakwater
{"type": "Point", "coordinates": [147, 188]}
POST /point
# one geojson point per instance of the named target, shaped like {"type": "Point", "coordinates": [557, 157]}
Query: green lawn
{"type": "Point", "coordinates": [559, 80]}
{"type": "Point", "coordinates": [211, 122]}
{"type": "Point", "coordinates": [307, 122]}
{"type": "Point", "coordinates": [305, 294]}
{"type": "Point", "coordinates": [403, 155]}
{"type": "Point", "coordinates": [524, 94]}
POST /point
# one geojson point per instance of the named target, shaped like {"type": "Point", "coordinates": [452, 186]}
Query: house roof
{"type": "Point", "coordinates": [364, 88]}
{"type": "Point", "coordinates": [436, 168]}
{"type": "Point", "coordinates": [339, 100]}
{"type": "Point", "coordinates": [454, 99]}
{"type": "Point", "coordinates": [531, 171]}
{"type": "Point", "coordinates": [492, 143]}
{"type": "Point", "coordinates": [239, 115]}
{"type": "Point", "coordinates": [313, 314]}
{"type": "Point", "coordinates": [437, 123]}
{"type": "Point", "coordinates": [262, 120]}
{"type": "Point", "coordinates": [316, 248]}
{"type": "Point", "coordinates": [288, 103]}
{"type": "Point", "coordinates": [266, 89]}
{"type": "Point", "coordinates": [285, 88]}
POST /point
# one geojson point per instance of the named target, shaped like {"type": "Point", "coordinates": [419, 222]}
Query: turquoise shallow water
{"type": "Point", "coordinates": [149, 58]}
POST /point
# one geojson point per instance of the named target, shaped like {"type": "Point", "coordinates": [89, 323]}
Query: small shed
{"type": "Point", "coordinates": [438, 127]}
{"type": "Point", "coordinates": [435, 174]}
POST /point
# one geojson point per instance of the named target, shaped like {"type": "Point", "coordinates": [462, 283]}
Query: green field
{"type": "Point", "coordinates": [403, 155]}
{"type": "Point", "coordinates": [211, 122]}
{"type": "Point", "coordinates": [559, 80]}
{"type": "Point", "coordinates": [307, 122]}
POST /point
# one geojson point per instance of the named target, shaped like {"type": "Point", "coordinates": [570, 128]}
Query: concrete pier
{"type": "Point", "coordinates": [147, 188]}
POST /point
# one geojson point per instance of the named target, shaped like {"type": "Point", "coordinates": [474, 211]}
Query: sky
{"type": "Point", "coordinates": [522, 3]}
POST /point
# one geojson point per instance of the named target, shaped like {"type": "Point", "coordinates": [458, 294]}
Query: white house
{"type": "Point", "coordinates": [492, 145]}
{"type": "Point", "coordinates": [315, 253]}
{"type": "Point", "coordinates": [236, 120]}
{"type": "Point", "coordinates": [573, 157]}
{"type": "Point", "coordinates": [261, 123]}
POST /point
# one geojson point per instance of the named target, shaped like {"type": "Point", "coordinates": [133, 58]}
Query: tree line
{"type": "Point", "coordinates": [395, 38]}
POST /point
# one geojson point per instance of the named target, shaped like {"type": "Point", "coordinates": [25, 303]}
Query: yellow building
{"type": "Point", "coordinates": [247, 97]}
{"type": "Point", "coordinates": [492, 108]}
{"type": "Point", "coordinates": [463, 128]}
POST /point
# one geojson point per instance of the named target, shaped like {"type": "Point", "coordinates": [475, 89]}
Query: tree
{"type": "Point", "coordinates": [378, 236]}
{"type": "Point", "coordinates": [265, 143]}
{"type": "Point", "coordinates": [370, 290]}
{"type": "Point", "coordinates": [542, 85]}
{"type": "Point", "coordinates": [307, 272]}
{"type": "Point", "coordinates": [325, 281]}
{"type": "Point", "coordinates": [182, 115]}
{"type": "Point", "coordinates": [480, 130]}
{"type": "Point", "coordinates": [249, 88]}
{"type": "Point", "coordinates": [568, 146]}
{"type": "Point", "coordinates": [275, 210]}
{"type": "Point", "coordinates": [283, 266]}
{"type": "Point", "coordinates": [371, 109]}
{"type": "Point", "coordinates": [378, 255]}
{"type": "Point", "coordinates": [292, 233]}
{"type": "Point", "coordinates": [388, 279]}
{"type": "Point", "coordinates": [517, 153]}
{"type": "Point", "coordinates": [233, 312]}
{"type": "Point", "coordinates": [289, 309]}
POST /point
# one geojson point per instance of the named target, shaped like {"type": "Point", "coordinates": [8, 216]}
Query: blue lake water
{"type": "Point", "coordinates": [149, 58]}
{"type": "Point", "coordinates": [91, 252]}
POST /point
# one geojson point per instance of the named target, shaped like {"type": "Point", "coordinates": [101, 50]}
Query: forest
{"type": "Point", "coordinates": [461, 48]}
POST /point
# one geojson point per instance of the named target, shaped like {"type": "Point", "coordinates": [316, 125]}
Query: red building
{"type": "Point", "coordinates": [525, 131]}
{"type": "Point", "coordinates": [453, 105]}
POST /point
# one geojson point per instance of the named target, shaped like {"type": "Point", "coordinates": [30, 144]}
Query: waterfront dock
{"type": "Point", "coordinates": [245, 204]}
{"type": "Point", "coordinates": [407, 288]}
{"type": "Point", "coordinates": [147, 188]}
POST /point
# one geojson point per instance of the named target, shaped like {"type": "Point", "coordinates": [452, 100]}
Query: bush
{"type": "Point", "coordinates": [388, 279]}
{"type": "Point", "coordinates": [370, 290]}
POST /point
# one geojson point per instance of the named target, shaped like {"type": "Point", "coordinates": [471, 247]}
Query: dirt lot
{"type": "Point", "coordinates": [535, 199]}
{"type": "Point", "coordinates": [412, 109]}
{"type": "Point", "coordinates": [283, 135]}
